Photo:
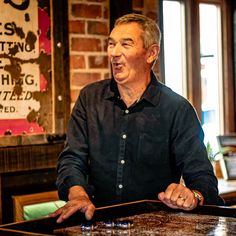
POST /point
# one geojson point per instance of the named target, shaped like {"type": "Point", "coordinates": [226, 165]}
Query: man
{"type": "Point", "coordinates": [131, 137]}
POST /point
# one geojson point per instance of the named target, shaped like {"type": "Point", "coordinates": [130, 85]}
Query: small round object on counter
{"type": "Point", "coordinates": [88, 226]}
{"type": "Point", "coordinates": [124, 224]}
{"type": "Point", "coordinates": [109, 224]}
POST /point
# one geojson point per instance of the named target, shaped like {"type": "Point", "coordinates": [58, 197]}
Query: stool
{"type": "Point", "coordinates": [36, 205]}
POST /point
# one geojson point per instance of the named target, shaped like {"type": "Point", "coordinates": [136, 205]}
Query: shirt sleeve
{"type": "Point", "coordinates": [72, 167]}
{"type": "Point", "coordinates": [191, 155]}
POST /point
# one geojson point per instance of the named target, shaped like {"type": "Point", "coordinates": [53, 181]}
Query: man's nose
{"type": "Point", "coordinates": [116, 50]}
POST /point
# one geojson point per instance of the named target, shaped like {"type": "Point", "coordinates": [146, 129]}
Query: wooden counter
{"type": "Point", "coordinates": [146, 218]}
{"type": "Point", "coordinates": [227, 190]}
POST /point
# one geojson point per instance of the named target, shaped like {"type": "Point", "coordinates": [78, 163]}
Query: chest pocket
{"type": "Point", "coordinates": [152, 149]}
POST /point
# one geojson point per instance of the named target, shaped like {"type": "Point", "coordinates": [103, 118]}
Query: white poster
{"type": "Point", "coordinates": [19, 48]}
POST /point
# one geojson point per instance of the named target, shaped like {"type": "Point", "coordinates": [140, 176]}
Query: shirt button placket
{"type": "Point", "coordinates": [122, 156]}
{"type": "Point", "coordinates": [120, 167]}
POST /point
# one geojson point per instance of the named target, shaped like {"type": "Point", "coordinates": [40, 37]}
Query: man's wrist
{"type": "Point", "coordinates": [198, 196]}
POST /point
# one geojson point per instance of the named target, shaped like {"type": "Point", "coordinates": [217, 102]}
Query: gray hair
{"type": "Point", "coordinates": [152, 33]}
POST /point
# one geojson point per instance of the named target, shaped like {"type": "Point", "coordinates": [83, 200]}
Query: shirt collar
{"type": "Point", "coordinates": [151, 94]}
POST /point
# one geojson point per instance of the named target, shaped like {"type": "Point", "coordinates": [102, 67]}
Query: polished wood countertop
{"type": "Point", "coordinates": [148, 217]}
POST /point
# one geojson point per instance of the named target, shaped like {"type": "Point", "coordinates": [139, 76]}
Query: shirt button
{"type": "Point", "coordinates": [120, 186]}
{"type": "Point", "coordinates": [122, 161]}
{"type": "Point", "coordinates": [124, 136]}
{"type": "Point", "coordinates": [126, 111]}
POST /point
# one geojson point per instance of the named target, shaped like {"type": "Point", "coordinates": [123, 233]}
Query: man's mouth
{"type": "Point", "coordinates": [116, 65]}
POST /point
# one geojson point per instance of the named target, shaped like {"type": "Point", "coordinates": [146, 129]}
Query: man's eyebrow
{"type": "Point", "coordinates": [110, 39]}
{"type": "Point", "coordinates": [128, 39]}
{"type": "Point", "coordinates": [123, 39]}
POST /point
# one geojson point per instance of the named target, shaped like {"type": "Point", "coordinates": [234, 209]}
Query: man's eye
{"type": "Point", "coordinates": [111, 44]}
{"type": "Point", "coordinates": [126, 45]}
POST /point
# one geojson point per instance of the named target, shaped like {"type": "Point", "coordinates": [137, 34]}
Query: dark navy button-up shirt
{"type": "Point", "coordinates": [126, 154]}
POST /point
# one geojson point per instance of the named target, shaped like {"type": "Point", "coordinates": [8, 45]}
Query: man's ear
{"type": "Point", "coordinates": [152, 53]}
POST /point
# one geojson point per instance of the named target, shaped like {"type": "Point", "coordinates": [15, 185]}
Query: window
{"type": "Point", "coordinates": [211, 72]}
{"type": "Point", "coordinates": [197, 64]}
{"type": "Point", "coordinates": [174, 46]}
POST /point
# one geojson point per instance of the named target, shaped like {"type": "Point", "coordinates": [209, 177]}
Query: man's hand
{"type": "Point", "coordinates": [78, 201]}
{"type": "Point", "coordinates": [178, 196]}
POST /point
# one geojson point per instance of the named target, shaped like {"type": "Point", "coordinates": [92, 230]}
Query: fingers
{"type": "Point", "coordinates": [178, 196]}
{"type": "Point", "coordinates": [89, 212]}
{"type": "Point", "coordinates": [67, 211]}
{"type": "Point", "coordinates": [56, 213]}
{"type": "Point", "coordinates": [73, 206]}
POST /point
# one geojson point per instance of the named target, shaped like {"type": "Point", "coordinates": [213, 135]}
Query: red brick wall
{"type": "Point", "coordinates": [88, 31]}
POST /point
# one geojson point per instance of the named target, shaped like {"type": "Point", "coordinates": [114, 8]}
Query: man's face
{"type": "Point", "coordinates": [126, 53]}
